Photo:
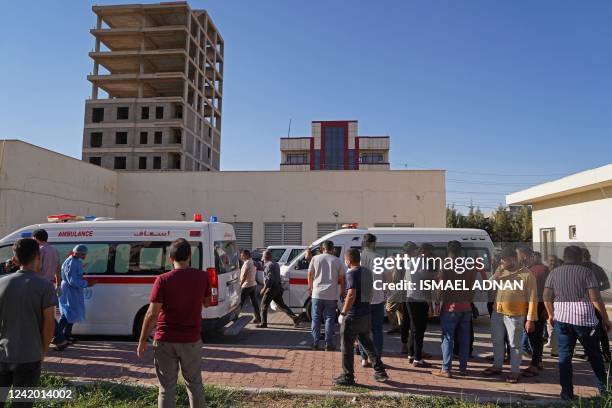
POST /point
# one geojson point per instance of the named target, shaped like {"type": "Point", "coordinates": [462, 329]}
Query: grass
{"type": "Point", "coordinates": [107, 394]}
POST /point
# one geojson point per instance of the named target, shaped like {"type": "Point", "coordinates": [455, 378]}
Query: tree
{"type": "Point", "coordinates": [502, 226]}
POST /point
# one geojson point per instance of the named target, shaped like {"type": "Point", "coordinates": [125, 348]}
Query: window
{"type": "Point", "coordinates": [95, 160]}
{"type": "Point", "coordinates": [176, 136]}
{"type": "Point", "coordinates": [334, 148]}
{"type": "Point", "coordinates": [371, 158]}
{"type": "Point", "coordinates": [175, 161]}
{"type": "Point", "coordinates": [142, 163]}
{"type": "Point", "coordinates": [226, 256]}
{"type": "Point", "coordinates": [121, 138]}
{"type": "Point", "coordinates": [95, 139]}
{"type": "Point", "coordinates": [158, 138]}
{"type": "Point", "coordinates": [572, 232]}
{"type": "Point", "coordinates": [159, 112]}
{"type": "Point", "coordinates": [293, 254]}
{"type": "Point", "coordinates": [97, 115]}
{"type": "Point", "coordinates": [120, 163]}
{"type": "Point", "coordinates": [157, 162]}
{"type": "Point", "coordinates": [301, 158]}
{"type": "Point", "coordinates": [6, 252]}
{"type": "Point", "coordinates": [123, 112]}
{"type": "Point", "coordinates": [148, 258]}
{"type": "Point", "coordinates": [144, 112]}
{"type": "Point", "coordinates": [96, 262]}
{"type": "Point", "coordinates": [144, 136]}
{"type": "Point", "coordinates": [276, 253]}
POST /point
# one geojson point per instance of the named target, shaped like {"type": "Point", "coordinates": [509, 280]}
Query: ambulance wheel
{"type": "Point", "coordinates": [138, 322]}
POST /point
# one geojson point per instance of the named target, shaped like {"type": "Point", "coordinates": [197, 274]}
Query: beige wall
{"type": "Point", "coordinates": [35, 182]}
{"type": "Point", "coordinates": [589, 211]}
{"type": "Point", "coordinates": [309, 197]}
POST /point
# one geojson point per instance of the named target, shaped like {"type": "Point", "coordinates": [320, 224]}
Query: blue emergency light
{"type": "Point", "coordinates": [213, 218]}
{"type": "Point", "coordinates": [26, 234]}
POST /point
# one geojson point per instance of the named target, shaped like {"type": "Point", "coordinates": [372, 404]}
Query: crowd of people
{"type": "Point", "coordinates": [533, 302]}
{"type": "Point", "coordinates": [561, 302]}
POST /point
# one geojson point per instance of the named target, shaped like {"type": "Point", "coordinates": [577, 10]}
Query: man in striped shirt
{"type": "Point", "coordinates": [571, 295]}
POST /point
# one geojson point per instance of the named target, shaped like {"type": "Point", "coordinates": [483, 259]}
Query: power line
{"type": "Point", "coordinates": [487, 183]}
{"type": "Point", "coordinates": [479, 192]}
{"type": "Point", "coordinates": [490, 174]}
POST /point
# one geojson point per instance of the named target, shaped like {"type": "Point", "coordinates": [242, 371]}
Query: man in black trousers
{"type": "Point", "coordinates": [355, 321]}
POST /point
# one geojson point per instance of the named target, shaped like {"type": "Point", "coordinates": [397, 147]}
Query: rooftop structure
{"type": "Point", "coordinates": [334, 145]}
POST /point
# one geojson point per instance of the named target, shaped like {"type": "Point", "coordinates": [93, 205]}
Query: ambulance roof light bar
{"type": "Point", "coordinates": [69, 218]}
{"type": "Point", "coordinates": [352, 225]}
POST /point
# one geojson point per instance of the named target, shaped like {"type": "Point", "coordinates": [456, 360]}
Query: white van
{"type": "Point", "coordinates": [125, 258]}
{"type": "Point", "coordinates": [475, 243]}
{"type": "Point", "coordinates": [283, 254]}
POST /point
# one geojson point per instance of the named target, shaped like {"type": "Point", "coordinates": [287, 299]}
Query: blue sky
{"type": "Point", "coordinates": [502, 94]}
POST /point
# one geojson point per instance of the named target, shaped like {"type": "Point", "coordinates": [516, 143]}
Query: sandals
{"type": "Point", "coordinates": [492, 371]}
{"type": "Point", "coordinates": [512, 378]}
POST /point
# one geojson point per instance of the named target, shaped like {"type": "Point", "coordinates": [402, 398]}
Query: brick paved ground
{"type": "Point", "coordinates": [279, 357]}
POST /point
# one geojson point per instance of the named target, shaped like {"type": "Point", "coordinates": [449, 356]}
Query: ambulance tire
{"type": "Point", "coordinates": [138, 322]}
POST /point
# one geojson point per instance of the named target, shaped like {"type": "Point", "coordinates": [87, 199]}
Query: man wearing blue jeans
{"type": "Point", "coordinates": [455, 315]}
{"type": "Point", "coordinates": [326, 283]}
{"type": "Point", "coordinates": [377, 302]}
{"type": "Point", "coordinates": [571, 296]}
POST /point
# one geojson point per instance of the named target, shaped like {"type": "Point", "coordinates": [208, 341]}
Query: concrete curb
{"type": "Point", "coordinates": [346, 394]}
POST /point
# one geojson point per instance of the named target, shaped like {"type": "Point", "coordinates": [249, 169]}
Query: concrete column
{"type": "Point", "coordinates": [96, 68]}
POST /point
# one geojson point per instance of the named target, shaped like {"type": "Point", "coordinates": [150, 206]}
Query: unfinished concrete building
{"type": "Point", "coordinates": [157, 86]}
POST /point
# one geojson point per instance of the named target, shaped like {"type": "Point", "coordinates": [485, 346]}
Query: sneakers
{"type": "Point", "coordinates": [410, 360]}
{"type": "Point", "coordinates": [296, 321]}
{"type": "Point", "coordinates": [421, 364]}
{"type": "Point", "coordinates": [61, 346]}
{"type": "Point", "coordinates": [256, 321]}
{"type": "Point", "coordinates": [344, 381]}
{"type": "Point", "coordinates": [381, 376]}
{"type": "Point", "coordinates": [330, 348]}
{"type": "Point", "coordinates": [314, 346]}
{"type": "Point", "coordinates": [261, 326]}
{"type": "Point", "coordinates": [365, 363]}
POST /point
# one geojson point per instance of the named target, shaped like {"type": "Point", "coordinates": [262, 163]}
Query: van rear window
{"type": "Point", "coordinates": [226, 256]}
{"type": "Point", "coordinates": [276, 254]}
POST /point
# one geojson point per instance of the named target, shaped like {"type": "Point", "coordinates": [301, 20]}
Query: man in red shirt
{"type": "Point", "coordinates": [176, 303]}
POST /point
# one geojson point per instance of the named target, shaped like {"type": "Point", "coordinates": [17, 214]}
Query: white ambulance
{"type": "Point", "coordinates": [124, 259]}
{"type": "Point", "coordinates": [475, 243]}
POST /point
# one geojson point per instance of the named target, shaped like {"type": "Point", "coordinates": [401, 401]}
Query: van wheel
{"type": "Point", "coordinates": [138, 322]}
